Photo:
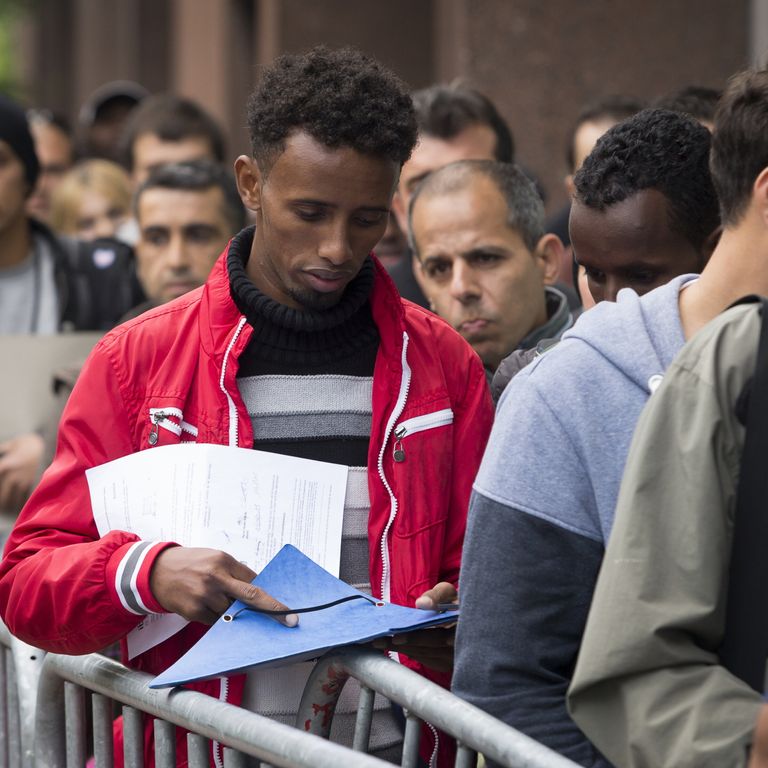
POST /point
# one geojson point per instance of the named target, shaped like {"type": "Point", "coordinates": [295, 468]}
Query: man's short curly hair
{"type": "Point", "coordinates": [341, 98]}
{"type": "Point", "coordinates": [655, 149]}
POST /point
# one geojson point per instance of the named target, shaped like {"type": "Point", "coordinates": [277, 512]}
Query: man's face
{"type": "Point", "coordinates": [150, 151]}
{"type": "Point", "coordinates": [182, 232]}
{"type": "Point", "coordinates": [630, 245]}
{"type": "Point", "coordinates": [319, 212]}
{"type": "Point", "coordinates": [477, 142]}
{"type": "Point", "coordinates": [54, 152]}
{"type": "Point", "coordinates": [14, 188]}
{"type": "Point", "coordinates": [477, 272]}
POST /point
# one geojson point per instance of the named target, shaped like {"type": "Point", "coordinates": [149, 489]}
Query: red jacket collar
{"type": "Point", "coordinates": [220, 316]}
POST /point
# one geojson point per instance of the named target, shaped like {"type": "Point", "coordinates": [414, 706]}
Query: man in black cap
{"type": "Point", "coordinates": [47, 284]}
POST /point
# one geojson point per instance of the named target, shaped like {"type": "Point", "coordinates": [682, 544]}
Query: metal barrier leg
{"type": "Point", "coordinates": [50, 736]}
{"type": "Point", "coordinates": [165, 744]}
{"type": "Point", "coordinates": [197, 750]}
{"type": "Point", "coordinates": [74, 708]}
{"type": "Point", "coordinates": [133, 736]}
{"type": "Point", "coordinates": [234, 759]}
{"type": "Point", "coordinates": [411, 741]}
{"type": "Point", "coordinates": [5, 692]}
{"type": "Point", "coordinates": [465, 757]}
{"type": "Point", "coordinates": [27, 665]}
{"type": "Point", "coordinates": [13, 721]}
{"type": "Point", "coordinates": [364, 719]}
{"type": "Point", "coordinates": [103, 744]}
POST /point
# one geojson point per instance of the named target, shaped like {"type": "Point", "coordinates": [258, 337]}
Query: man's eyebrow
{"type": "Point", "coordinates": [482, 250]}
{"type": "Point", "coordinates": [324, 204]}
{"type": "Point", "coordinates": [414, 181]}
{"type": "Point", "coordinates": [435, 257]}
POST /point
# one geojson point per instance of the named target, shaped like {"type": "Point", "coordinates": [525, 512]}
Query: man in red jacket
{"type": "Point", "coordinates": [297, 344]}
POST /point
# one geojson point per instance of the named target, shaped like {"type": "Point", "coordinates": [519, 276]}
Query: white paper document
{"type": "Point", "coordinates": [247, 503]}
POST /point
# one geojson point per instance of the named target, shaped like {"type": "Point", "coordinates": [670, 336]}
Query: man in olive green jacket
{"type": "Point", "coordinates": [649, 689]}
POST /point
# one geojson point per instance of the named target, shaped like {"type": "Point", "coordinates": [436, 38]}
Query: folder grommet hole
{"type": "Point", "coordinates": [379, 604]}
{"type": "Point", "coordinates": [226, 617]}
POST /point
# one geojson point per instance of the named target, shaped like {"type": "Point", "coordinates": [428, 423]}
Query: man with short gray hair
{"type": "Point", "coordinates": [486, 264]}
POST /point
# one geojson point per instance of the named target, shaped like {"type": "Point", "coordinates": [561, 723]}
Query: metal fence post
{"type": "Point", "coordinates": [75, 725]}
{"type": "Point", "coordinates": [50, 736]}
{"type": "Point", "coordinates": [103, 745]}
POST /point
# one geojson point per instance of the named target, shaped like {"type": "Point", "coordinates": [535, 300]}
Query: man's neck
{"type": "Point", "coordinates": [737, 268]}
{"type": "Point", "coordinates": [15, 242]}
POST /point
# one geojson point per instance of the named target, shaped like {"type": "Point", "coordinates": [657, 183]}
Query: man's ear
{"type": "Point", "coordinates": [570, 187]}
{"type": "Point", "coordinates": [248, 177]}
{"type": "Point", "coordinates": [760, 195]}
{"type": "Point", "coordinates": [550, 253]}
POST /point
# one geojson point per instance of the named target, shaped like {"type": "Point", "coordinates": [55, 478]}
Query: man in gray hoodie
{"type": "Point", "coordinates": [543, 501]}
{"type": "Point", "coordinates": [651, 687]}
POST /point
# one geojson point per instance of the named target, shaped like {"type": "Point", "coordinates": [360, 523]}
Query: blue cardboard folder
{"type": "Point", "coordinates": [253, 639]}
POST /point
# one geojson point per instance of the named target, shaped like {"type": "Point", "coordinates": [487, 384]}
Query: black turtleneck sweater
{"type": "Point", "coordinates": [306, 375]}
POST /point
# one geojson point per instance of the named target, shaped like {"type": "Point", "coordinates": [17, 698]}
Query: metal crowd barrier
{"type": "Point", "coordinates": [43, 717]}
{"type": "Point", "coordinates": [474, 730]}
{"type": "Point", "coordinates": [60, 735]}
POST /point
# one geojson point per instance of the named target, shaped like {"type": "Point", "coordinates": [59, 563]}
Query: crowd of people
{"type": "Point", "coordinates": [482, 382]}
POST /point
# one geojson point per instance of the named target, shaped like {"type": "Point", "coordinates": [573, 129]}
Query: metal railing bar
{"type": "Point", "coordinates": [234, 759]}
{"type": "Point", "coordinates": [197, 750]}
{"type": "Point", "coordinates": [14, 721]}
{"type": "Point", "coordinates": [165, 744]}
{"type": "Point", "coordinates": [27, 663]}
{"type": "Point", "coordinates": [5, 691]}
{"type": "Point", "coordinates": [465, 757]}
{"type": "Point", "coordinates": [74, 725]}
{"type": "Point", "coordinates": [50, 735]}
{"type": "Point", "coordinates": [411, 741]}
{"type": "Point", "coordinates": [270, 741]}
{"type": "Point", "coordinates": [362, 736]}
{"type": "Point", "coordinates": [133, 736]}
{"type": "Point", "coordinates": [467, 723]}
{"type": "Point", "coordinates": [103, 745]}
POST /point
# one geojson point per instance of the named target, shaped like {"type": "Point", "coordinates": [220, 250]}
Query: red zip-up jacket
{"type": "Point", "coordinates": [65, 589]}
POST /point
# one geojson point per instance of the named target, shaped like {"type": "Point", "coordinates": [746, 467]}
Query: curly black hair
{"type": "Point", "coordinates": [655, 149]}
{"type": "Point", "coordinates": [339, 97]}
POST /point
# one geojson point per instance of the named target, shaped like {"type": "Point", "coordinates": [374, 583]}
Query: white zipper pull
{"type": "Point", "coordinates": [398, 454]}
{"type": "Point", "coordinates": [155, 418]}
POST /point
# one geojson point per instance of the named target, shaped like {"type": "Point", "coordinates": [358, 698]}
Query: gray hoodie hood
{"type": "Point", "coordinates": [638, 335]}
{"type": "Point", "coordinates": [574, 410]}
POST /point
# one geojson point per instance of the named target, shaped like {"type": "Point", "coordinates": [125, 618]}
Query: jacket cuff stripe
{"type": "Point", "coordinates": [127, 576]}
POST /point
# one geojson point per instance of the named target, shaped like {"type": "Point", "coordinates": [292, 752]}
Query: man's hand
{"type": "Point", "coordinates": [20, 460]}
{"type": "Point", "coordinates": [200, 584]}
{"type": "Point", "coordinates": [444, 592]}
{"type": "Point", "coordinates": [431, 647]}
{"type": "Point", "coordinates": [758, 757]}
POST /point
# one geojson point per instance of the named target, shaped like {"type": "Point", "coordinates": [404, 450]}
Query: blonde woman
{"type": "Point", "coordinates": [93, 200]}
